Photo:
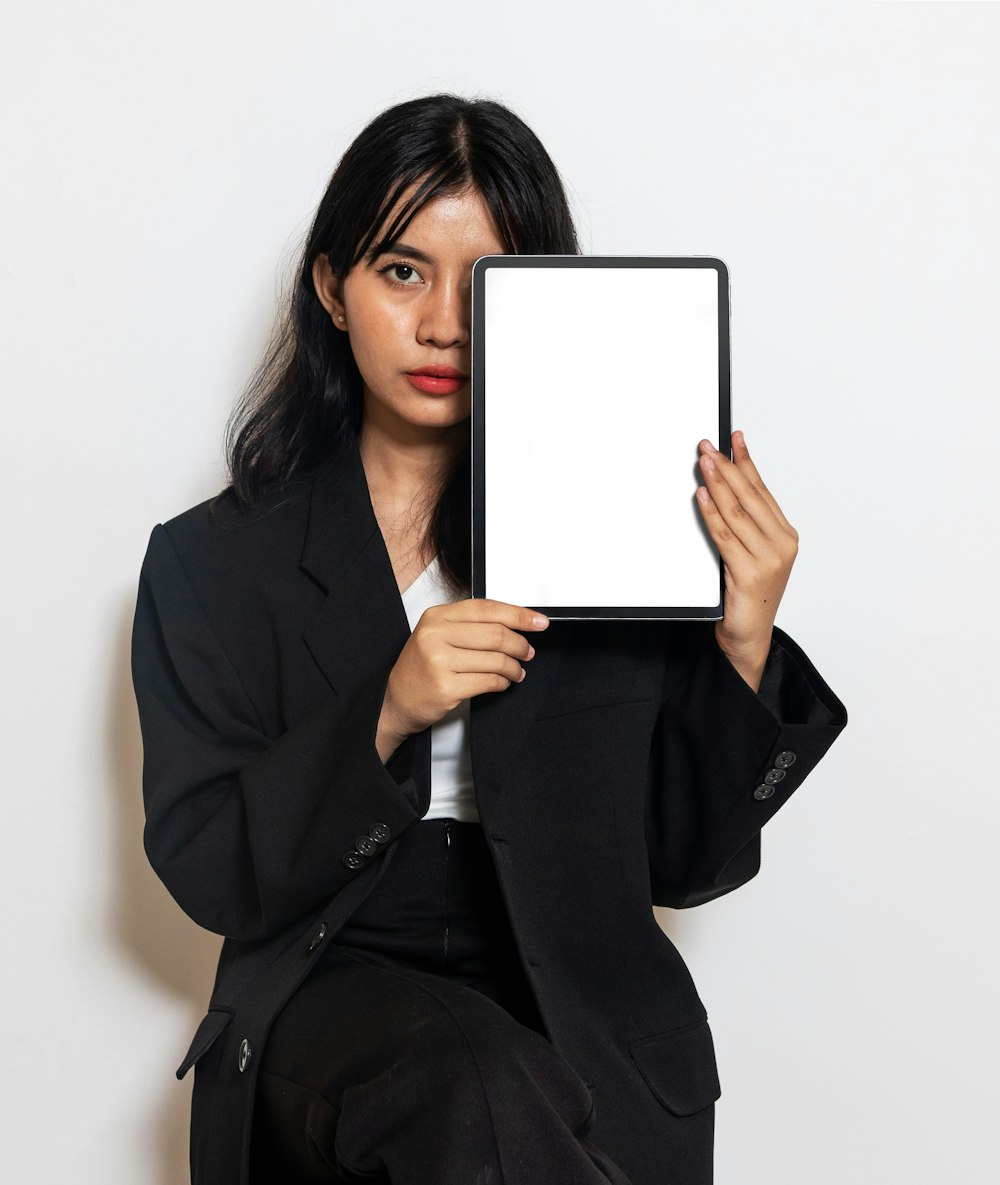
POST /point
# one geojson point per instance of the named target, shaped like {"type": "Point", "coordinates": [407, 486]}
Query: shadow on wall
{"type": "Point", "coordinates": [176, 956]}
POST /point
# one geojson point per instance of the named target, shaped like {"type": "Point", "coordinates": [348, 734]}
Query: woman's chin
{"type": "Point", "coordinates": [424, 411]}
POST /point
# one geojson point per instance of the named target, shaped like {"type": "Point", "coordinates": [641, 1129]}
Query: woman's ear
{"type": "Point", "coordinates": [328, 290]}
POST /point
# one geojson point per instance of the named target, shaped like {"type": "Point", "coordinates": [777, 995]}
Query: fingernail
{"type": "Point", "coordinates": [701, 494]}
{"type": "Point", "coordinates": [738, 437]}
{"type": "Point", "coordinates": [540, 620]}
{"type": "Point", "coordinates": [531, 650]}
{"type": "Point", "coordinates": [709, 463]}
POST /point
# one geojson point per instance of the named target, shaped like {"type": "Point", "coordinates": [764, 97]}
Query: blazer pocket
{"type": "Point", "coordinates": [212, 1027]}
{"type": "Point", "coordinates": [679, 1067]}
{"type": "Point", "coordinates": [596, 691]}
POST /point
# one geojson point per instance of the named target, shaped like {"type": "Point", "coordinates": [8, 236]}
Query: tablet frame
{"type": "Point", "coordinates": [478, 427]}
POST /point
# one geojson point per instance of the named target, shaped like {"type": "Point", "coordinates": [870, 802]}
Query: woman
{"type": "Point", "coordinates": [432, 828]}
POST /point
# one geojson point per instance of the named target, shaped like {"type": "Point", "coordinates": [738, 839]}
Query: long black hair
{"type": "Point", "coordinates": [306, 393]}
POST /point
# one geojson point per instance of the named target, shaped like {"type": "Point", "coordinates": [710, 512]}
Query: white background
{"type": "Point", "coordinates": [159, 167]}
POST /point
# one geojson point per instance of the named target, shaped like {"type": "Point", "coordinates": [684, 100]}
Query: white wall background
{"type": "Point", "coordinates": [159, 165]}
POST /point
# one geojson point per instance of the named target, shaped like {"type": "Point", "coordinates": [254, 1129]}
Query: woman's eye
{"type": "Point", "coordinates": [401, 274]}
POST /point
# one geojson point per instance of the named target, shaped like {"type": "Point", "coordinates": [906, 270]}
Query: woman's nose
{"type": "Point", "coordinates": [445, 317]}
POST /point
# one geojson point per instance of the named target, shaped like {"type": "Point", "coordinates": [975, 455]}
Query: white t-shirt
{"type": "Point", "coordinates": [452, 795]}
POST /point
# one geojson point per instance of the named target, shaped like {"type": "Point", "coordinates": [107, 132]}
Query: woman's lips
{"type": "Point", "coordinates": [436, 384]}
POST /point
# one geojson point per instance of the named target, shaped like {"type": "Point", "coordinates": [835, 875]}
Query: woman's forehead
{"type": "Point", "coordinates": [454, 212]}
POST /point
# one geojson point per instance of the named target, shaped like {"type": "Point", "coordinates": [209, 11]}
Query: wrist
{"type": "Point", "coordinates": [387, 741]}
{"type": "Point", "coordinates": [388, 733]}
{"type": "Point", "coordinates": [748, 657]}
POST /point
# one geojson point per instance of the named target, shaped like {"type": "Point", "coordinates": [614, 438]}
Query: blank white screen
{"type": "Point", "coordinates": [600, 381]}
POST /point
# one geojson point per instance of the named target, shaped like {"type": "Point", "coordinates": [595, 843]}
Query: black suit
{"type": "Point", "coordinates": [624, 771]}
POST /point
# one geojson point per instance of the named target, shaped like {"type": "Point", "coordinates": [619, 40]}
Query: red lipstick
{"type": "Point", "coordinates": [437, 380]}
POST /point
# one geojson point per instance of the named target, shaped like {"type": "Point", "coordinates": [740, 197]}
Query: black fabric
{"type": "Point", "coordinates": [415, 1052]}
{"type": "Point", "coordinates": [621, 772]}
{"type": "Point", "coordinates": [441, 910]}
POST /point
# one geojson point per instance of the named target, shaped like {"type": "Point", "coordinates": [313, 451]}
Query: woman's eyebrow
{"type": "Point", "coordinates": [397, 248]}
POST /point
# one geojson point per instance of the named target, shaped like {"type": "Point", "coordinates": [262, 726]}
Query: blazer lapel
{"type": "Point", "coordinates": [362, 625]}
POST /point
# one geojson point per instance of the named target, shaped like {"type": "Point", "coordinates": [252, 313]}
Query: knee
{"type": "Point", "coordinates": [504, 1061]}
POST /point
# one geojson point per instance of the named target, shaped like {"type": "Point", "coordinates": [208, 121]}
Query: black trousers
{"type": "Point", "coordinates": [414, 1053]}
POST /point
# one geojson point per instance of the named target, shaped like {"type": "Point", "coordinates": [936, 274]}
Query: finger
{"type": "Point", "coordinates": [733, 511]}
{"type": "Point", "coordinates": [732, 550]}
{"type": "Point", "coordinates": [742, 464]}
{"type": "Point", "coordinates": [742, 458]}
{"type": "Point", "coordinates": [485, 662]}
{"type": "Point", "coordinates": [515, 617]}
{"type": "Point", "coordinates": [744, 498]}
{"type": "Point", "coordinates": [469, 685]}
{"type": "Point", "coordinates": [487, 637]}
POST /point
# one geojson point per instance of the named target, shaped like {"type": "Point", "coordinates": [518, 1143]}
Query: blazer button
{"type": "Point", "coordinates": [353, 859]}
{"type": "Point", "coordinates": [365, 845]}
{"type": "Point", "coordinates": [763, 792]}
{"type": "Point", "coordinates": [318, 937]}
{"type": "Point", "coordinates": [380, 832]}
{"type": "Point", "coordinates": [784, 759]}
{"type": "Point", "coordinates": [774, 776]}
{"type": "Point", "coordinates": [246, 1053]}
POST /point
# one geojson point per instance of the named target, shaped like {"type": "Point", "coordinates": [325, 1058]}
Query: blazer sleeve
{"type": "Point", "coordinates": [249, 832]}
{"type": "Point", "coordinates": [724, 760]}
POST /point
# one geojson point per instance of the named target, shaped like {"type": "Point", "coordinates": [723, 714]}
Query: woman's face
{"type": "Point", "coordinates": [409, 309]}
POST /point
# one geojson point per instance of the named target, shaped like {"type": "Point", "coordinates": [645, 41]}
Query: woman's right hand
{"type": "Point", "coordinates": [456, 651]}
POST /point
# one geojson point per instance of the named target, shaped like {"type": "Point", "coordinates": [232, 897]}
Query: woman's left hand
{"type": "Point", "coordinates": [758, 546]}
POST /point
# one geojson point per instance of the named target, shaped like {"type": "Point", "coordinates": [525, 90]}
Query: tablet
{"type": "Point", "coordinates": [594, 377]}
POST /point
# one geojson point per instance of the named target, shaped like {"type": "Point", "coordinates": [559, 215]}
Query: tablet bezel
{"type": "Point", "coordinates": [478, 427]}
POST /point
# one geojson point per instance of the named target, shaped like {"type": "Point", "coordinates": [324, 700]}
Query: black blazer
{"type": "Point", "coordinates": [632, 766]}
